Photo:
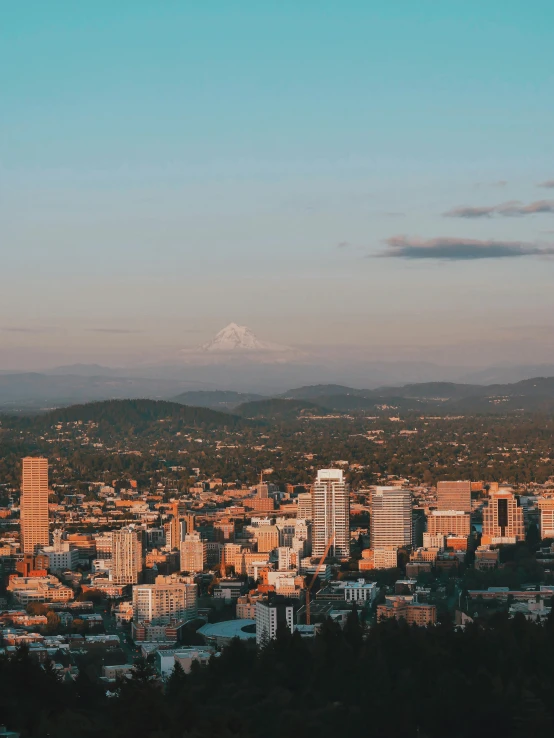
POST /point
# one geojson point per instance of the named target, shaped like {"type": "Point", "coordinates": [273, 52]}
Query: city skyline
{"type": "Point", "coordinates": [276, 368]}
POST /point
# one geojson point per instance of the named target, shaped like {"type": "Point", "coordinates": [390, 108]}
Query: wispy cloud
{"type": "Point", "coordinates": [343, 245]}
{"type": "Point", "coordinates": [112, 330]}
{"type": "Point", "coordinates": [460, 249]}
{"type": "Point", "coordinates": [549, 184]}
{"type": "Point", "coordinates": [513, 209]}
{"type": "Point", "coordinates": [470, 212]}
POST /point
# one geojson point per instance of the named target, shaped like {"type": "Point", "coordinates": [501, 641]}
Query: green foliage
{"type": "Point", "coordinates": [279, 409]}
{"type": "Point", "coordinates": [513, 449]}
{"type": "Point", "coordinates": [137, 414]}
{"type": "Point", "coordinates": [176, 683]}
{"type": "Point", "coordinates": [389, 680]}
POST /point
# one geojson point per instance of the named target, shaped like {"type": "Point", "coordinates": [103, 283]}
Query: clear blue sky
{"type": "Point", "coordinates": [168, 167]}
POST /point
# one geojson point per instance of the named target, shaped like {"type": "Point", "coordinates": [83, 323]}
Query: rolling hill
{"type": "Point", "coordinates": [122, 415]}
{"type": "Point", "coordinates": [529, 395]}
{"type": "Point", "coordinates": [279, 409]}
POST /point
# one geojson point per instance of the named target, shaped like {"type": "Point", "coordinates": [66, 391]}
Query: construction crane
{"type": "Point", "coordinates": [311, 584]}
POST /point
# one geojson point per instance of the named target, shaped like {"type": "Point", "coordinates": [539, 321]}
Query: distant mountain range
{"type": "Point", "coordinates": [530, 395]}
{"type": "Point", "coordinates": [40, 391]}
{"type": "Point", "coordinates": [32, 392]}
{"type": "Point", "coordinates": [248, 368]}
{"type": "Point", "coordinates": [215, 409]}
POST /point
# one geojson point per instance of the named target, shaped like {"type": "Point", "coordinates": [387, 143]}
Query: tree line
{"type": "Point", "coordinates": [492, 678]}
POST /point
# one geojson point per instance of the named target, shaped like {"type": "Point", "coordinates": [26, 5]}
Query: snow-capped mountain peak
{"type": "Point", "coordinates": [238, 338]}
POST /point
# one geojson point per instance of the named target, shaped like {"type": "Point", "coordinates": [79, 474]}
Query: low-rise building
{"type": "Point", "coordinates": [534, 609]}
{"type": "Point", "coordinates": [39, 589]}
{"type": "Point", "coordinates": [158, 632]}
{"type": "Point", "coordinates": [378, 558]}
{"type": "Point", "coordinates": [486, 557]}
{"type": "Point", "coordinates": [229, 589]}
{"type": "Point", "coordinates": [222, 633]}
{"type": "Point", "coordinates": [246, 605]}
{"type": "Point", "coordinates": [165, 659]}
{"type": "Point", "coordinates": [403, 608]}
{"type": "Point", "coordinates": [359, 591]}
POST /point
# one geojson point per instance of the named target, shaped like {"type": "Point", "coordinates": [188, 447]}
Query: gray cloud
{"type": "Point", "coordinates": [470, 212]}
{"type": "Point", "coordinates": [516, 208]}
{"type": "Point", "coordinates": [343, 245]}
{"type": "Point", "coordinates": [460, 249]}
{"type": "Point", "coordinates": [549, 183]}
{"type": "Point", "coordinates": [513, 209]}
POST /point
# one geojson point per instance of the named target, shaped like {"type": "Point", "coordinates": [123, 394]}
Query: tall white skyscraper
{"type": "Point", "coordinates": [391, 517]}
{"type": "Point", "coordinates": [331, 514]}
{"type": "Point", "coordinates": [34, 504]}
{"type": "Point", "coordinates": [126, 556]}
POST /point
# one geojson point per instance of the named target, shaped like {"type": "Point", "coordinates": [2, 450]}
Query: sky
{"type": "Point", "coordinates": [354, 176]}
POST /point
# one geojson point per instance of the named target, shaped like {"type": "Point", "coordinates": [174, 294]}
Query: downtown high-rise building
{"type": "Point", "coordinates": [391, 518]}
{"type": "Point", "coordinates": [270, 614]}
{"type": "Point", "coordinates": [331, 514]}
{"type": "Point", "coordinates": [503, 519]}
{"type": "Point", "coordinates": [166, 600]}
{"type": "Point", "coordinates": [454, 496]}
{"type": "Point", "coordinates": [127, 563]}
{"type": "Point", "coordinates": [546, 506]}
{"type": "Point", "coordinates": [180, 523]}
{"type": "Point", "coordinates": [193, 553]}
{"type": "Point", "coordinates": [34, 504]}
{"type": "Point", "coordinates": [449, 522]}
{"type": "Point", "coordinates": [305, 506]}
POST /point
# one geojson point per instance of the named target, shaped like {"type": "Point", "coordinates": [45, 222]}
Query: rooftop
{"type": "Point", "coordinates": [243, 628]}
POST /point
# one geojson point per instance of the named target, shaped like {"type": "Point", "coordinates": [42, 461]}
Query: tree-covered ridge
{"type": "Point", "coordinates": [123, 414]}
{"type": "Point", "coordinates": [530, 396]}
{"type": "Point", "coordinates": [493, 678]}
{"type": "Point", "coordinates": [279, 409]}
